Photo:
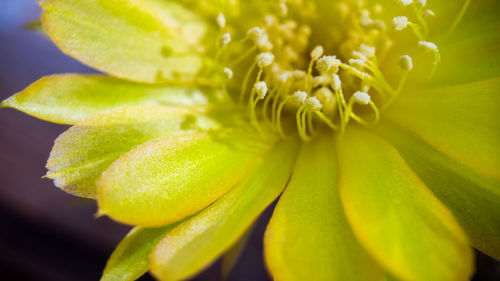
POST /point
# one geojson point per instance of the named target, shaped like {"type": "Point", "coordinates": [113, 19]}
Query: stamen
{"type": "Point", "coordinates": [265, 59]}
{"type": "Point", "coordinates": [328, 65]}
{"type": "Point", "coordinates": [261, 89]}
{"type": "Point", "coordinates": [229, 73]}
{"type": "Point", "coordinates": [406, 63]}
{"type": "Point", "coordinates": [405, 2]}
{"type": "Point", "coordinates": [421, 3]}
{"type": "Point", "coordinates": [225, 39]}
{"type": "Point", "coordinates": [431, 48]}
{"type": "Point", "coordinates": [221, 20]}
{"type": "Point", "coordinates": [400, 23]}
{"type": "Point", "coordinates": [316, 53]}
{"type": "Point", "coordinates": [362, 97]}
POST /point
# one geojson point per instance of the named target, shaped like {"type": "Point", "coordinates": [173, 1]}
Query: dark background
{"type": "Point", "coordinates": [46, 234]}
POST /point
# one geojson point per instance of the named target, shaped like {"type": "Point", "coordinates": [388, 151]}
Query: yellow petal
{"type": "Point", "coordinates": [308, 237]}
{"type": "Point", "coordinates": [142, 40]}
{"type": "Point", "coordinates": [196, 243]}
{"type": "Point", "coordinates": [461, 121]}
{"type": "Point", "coordinates": [395, 216]}
{"type": "Point", "coordinates": [83, 152]}
{"type": "Point", "coordinates": [168, 179]}
{"type": "Point", "coordinates": [474, 199]}
{"type": "Point", "coordinates": [130, 259]}
{"type": "Point", "coordinates": [70, 98]}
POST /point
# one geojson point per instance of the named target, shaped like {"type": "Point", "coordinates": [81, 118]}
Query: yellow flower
{"type": "Point", "coordinates": [377, 123]}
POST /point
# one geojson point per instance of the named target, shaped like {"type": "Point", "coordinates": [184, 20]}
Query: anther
{"type": "Point", "coordinates": [362, 97]}
{"type": "Point", "coordinates": [317, 52]}
{"type": "Point", "coordinates": [405, 2]}
{"type": "Point", "coordinates": [357, 63]}
{"type": "Point", "coordinates": [313, 104]}
{"type": "Point", "coordinates": [261, 89]}
{"type": "Point", "coordinates": [283, 9]}
{"type": "Point", "coordinates": [366, 50]}
{"type": "Point", "coordinates": [428, 46]}
{"type": "Point", "coordinates": [406, 63]}
{"type": "Point", "coordinates": [400, 23]}
{"type": "Point", "coordinates": [228, 72]}
{"type": "Point", "coordinates": [225, 39]}
{"type": "Point", "coordinates": [299, 97]}
{"type": "Point", "coordinates": [264, 59]}
{"type": "Point", "coordinates": [328, 64]}
{"type": "Point", "coordinates": [337, 83]}
{"type": "Point", "coordinates": [421, 3]}
{"type": "Point", "coordinates": [221, 20]}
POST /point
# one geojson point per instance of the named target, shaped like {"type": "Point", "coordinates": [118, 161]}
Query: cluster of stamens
{"type": "Point", "coordinates": [319, 88]}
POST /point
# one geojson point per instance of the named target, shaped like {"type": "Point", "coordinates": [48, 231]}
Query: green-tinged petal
{"type": "Point", "coordinates": [460, 121]}
{"type": "Point", "coordinates": [196, 243]}
{"type": "Point", "coordinates": [130, 259]}
{"type": "Point", "coordinates": [168, 179]}
{"type": "Point", "coordinates": [83, 152]}
{"type": "Point", "coordinates": [395, 216]}
{"type": "Point", "coordinates": [141, 40]}
{"type": "Point", "coordinates": [231, 256]}
{"type": "Point", "coordinates": [473, 198]}
{"type": "Point", "coordinates": [308, 237]}
{"type": "Point", "coordinates": [471, 52]}
{"type": "Point", "coordinates": [70, 98]}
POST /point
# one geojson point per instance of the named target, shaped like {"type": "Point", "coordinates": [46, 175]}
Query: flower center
{"type": "Point", "coordinates": [316, 70]}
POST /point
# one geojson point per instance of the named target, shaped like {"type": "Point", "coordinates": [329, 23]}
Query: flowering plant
{"type": "Point", "coordinates": [377, 123]}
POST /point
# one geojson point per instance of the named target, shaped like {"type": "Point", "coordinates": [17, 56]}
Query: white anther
{"type": "Point", "coordinates": [337, 83]}
{"type": "Point", "coordinates": [357, 63]}
{"type": "Point", "coordinates": [362, 97]}
{"type": "Point", "coordinates": [428, 46]}
{"type": "Point", "coordinates": [261, 89]}
{"type": "Point", "coordinates": [421, 3]}
{"type": "Point", "coordinates": [313, 104]}
{"type": "Point", "coordinates": [400, 23]}
{"type": "Point", "coordinates": [299, 74]}
{"type": "Point", "coordinates": [270, 20]}
{"type": "Point", "coordinates": [264, 59]}
{"type": "Point", "coordinates": [228, 72]}
{"type": "Point", "coordinates": [328, 64]}
{"type": "Point", "coordinates": [406, 2]}
{"type": "Point", "coordinates": [359, 55]}
{"type": "Point", "coordinates": [378, 9]}
{"type": "Point", "coordinates": [299, 97]}
{"type": "Point", "coordinates": [317, 52]}
{"type": "Point", "coordinates": [366, 50]}
{"type": "Point", "coordinates": [283, 77]}
{"type": "Point", "coordinates": [221, 20]}
{"type": "Point", "coordinates": [283, 9]}
{"type": "Point", "coordinates": [366, 21]}
{"type": "Point", "coordinates": [225, 39]}
{"type": "Point", "coordinates": [428, 13]}
{"type": "Point", "coordinates": [255, 33]}
{"type": "Point", "coordinates": [406, 63]}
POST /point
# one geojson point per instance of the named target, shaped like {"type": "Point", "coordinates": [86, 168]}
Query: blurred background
{"type": "Point", "coordinates": [46, 234]}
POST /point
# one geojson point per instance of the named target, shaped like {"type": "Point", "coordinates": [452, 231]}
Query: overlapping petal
{"type": "Point", "coordinates": [70, 98]}
{"type": "Point", "coordinates": [308, 237]}
{"type": "Point", "coordinates": [460, 121]}
{"type": "Point", "coordinates": [474, 199]}
{"type": "Point", "coordinates": [142, 40]}
{"type": "Point", "coordinates": [168, 179]}
{"type": "Point", "coordinates": [197, 242]}
{"type": "Point", "coordinates": [130, 259]}
{"type": "Point", "coordinates": [395, 216]}
{"type": "Point", "coordinates": [83, 152]}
